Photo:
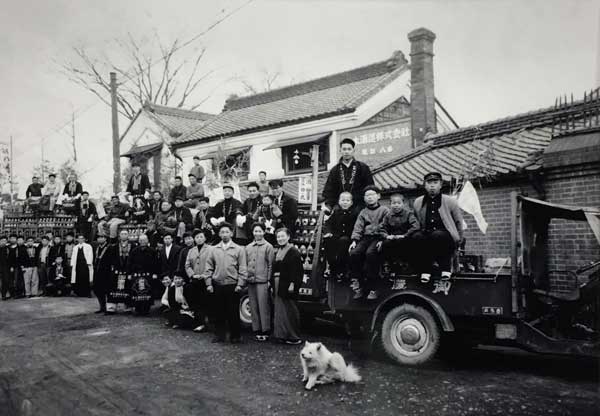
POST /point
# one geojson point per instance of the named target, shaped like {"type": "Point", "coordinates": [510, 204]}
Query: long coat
{"type": "Point", "coordinates": [334, 186]}
{"type": "Point", "coordinates": [102, 267]}
{"type": "Point", "coordinates": [289, 208]}
{"type": "Point", "coordinates": [290, 271]}
{"type": "Point", "coordinates": [168, 265]}
{"type": "Point", "coordinates": [88, 252]}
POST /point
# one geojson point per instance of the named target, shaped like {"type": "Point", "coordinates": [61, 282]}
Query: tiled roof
{"type": "Point", "coordinates": [324, 97]}
{"type": "Point", "coordinates": [177, 120]}
{"type": "Point", "coordinates": [486, 150]}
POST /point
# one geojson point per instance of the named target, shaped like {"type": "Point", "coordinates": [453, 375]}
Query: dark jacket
{"type": "Point", "coordinates": [368, 222]}
{"type": "Point", "coordinates": [184, 215]}
{"type": "Point", "coordinates": [4, 259]}
{"type": "Point", "coordinates": [341, 222]}
{"type": "Point", "coordinates": [143, 260]}
{"type": "Point", "coordinates": [228, 208]}
{"type": "Point", "coordinates": [144, 185]}
{"type": "Point", "coordinates": [289, 209]}
{"type": "Point", "coordinates": [154, 207]}
{"type": "Point", "coordinates": [403, 223]}
{"type": "Point", "coordinates": [168, 265]}
{"type": "Point", "coordinates": [38, 254]}
{"type": "Point", "coordinates": [118, 262]}
{"type": "Point", "coordinates": [102, 267]}
{"type": "Point", "coordinates": [140, 211]}
{"type": "Point", "coordinates": [177, 191]}
{"type": "Point", "coordinates": [188, 294]}
{"type": "Point", "coordinates": [84, 214]}
{"type": "Point", "coordinates": [117, 211]}
{"type": "Point", "coordinates": [66, 272]}
{"type": "Point", "coordinates": [183, 253]}
{"type": "Point", "coordinates": [334, 187]}
{"type": "Point", "coordinates": [290, 271]}
{"type": "Point", "coordinates": [34, 189]}
{"type": "Point", "coordinates": [78, 189]}
{"type": "Point", "coordinates": [57, 251]}
{"type": "Point", "coordinates": [449, 212]}
{"type": "Point", "coordinates": [25, 259]}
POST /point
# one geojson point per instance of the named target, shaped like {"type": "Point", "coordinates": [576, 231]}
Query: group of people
{"type": "Point", "coordinates": [198, 259]}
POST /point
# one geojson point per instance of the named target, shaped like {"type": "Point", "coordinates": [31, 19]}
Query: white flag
{"type": "Point", "coordinates": [469, 202]}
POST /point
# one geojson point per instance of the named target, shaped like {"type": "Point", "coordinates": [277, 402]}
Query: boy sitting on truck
{"type": "Point", "coordinates": [338, 232]}
{"type": "Point", "coordinates": [364, 247]}
{"type": "Point", "coordinates": [396, 229]}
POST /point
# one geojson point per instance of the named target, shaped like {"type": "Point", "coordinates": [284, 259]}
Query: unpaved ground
{"type": "Point", "coordinates": [57, 358]}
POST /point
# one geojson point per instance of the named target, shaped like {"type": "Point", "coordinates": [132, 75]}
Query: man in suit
{"type": "Point", "coordinates": [102, 271]}
{"type": "Point", "coordinates": [287, 204]}
{"type": "Point", "coordinates": [86, 214]}
{"type": "Point", "coordinates": [169, 257]}
{"type": "Point", "coordinates": [139, 182]}
{"type": "Point", "coordinates": [43, 263]}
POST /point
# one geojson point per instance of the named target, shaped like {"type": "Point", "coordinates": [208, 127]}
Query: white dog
{"type": "Point", "coordinates": [321, 366]}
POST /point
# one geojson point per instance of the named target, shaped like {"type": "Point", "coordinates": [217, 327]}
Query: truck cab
{"type": "Point", "coordinates": [508, 303]}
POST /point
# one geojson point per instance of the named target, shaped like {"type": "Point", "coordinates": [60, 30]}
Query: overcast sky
{"type": "Point", "coordinates": [492, 58]}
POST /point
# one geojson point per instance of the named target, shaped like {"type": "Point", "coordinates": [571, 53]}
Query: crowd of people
{"type": "Point", "coordinates": [198, 259]}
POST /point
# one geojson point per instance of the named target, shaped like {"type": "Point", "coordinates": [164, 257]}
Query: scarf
{"type": "Point", "coordinates": [100, 254]}
{"type": "Point", "coordinates": [282, 251]}
{"type": "Point", "coordinates": [137, 179]}
{"type": "Point", "coordinates": [179, 298]}
{"type": "Point", "coordinates": [72, 187]}
{"type": "Point", "coordinates": [350, 181]}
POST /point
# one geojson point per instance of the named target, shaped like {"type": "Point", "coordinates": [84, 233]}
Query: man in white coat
{"type": "Point", "coordinates": [82, 264]}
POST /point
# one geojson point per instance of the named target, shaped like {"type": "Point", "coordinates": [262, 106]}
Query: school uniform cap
{"type": "Point", "coordinates": [432, 176]}
{"type": "Point", "coordinates": [180, 198]}
{"type": "Point", "coordinates": [227, 185]}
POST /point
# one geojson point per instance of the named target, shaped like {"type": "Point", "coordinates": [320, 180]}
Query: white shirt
{"type": "Point", "coordinates": [168, 250]}
{"type": "Point", "coordinates": [226, 245]}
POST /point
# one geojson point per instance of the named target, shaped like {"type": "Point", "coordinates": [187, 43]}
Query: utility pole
{"type": "Point", "coordinates": [11, 171]}
{"type": "Point", "coordinates": [43, 167]}
{"type": "Point", "coordinates": [73, 136]}
{"type": "Point", "coordinates": [315, 177]}
{"type": "Point", "coordinates": [115, 134]}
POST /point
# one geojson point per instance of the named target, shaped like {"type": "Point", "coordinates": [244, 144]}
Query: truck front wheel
{"type": "Point", "coordinates": [410, 335]}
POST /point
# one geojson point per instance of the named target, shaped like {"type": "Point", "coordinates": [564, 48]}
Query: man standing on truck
{"type": "Point", "coordinates": [441, 228]}
{"type": "Point", "coordinates": [349, 175]}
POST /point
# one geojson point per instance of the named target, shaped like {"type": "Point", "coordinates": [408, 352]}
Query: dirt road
{"type": "Point", "coordinates": [58, 358]}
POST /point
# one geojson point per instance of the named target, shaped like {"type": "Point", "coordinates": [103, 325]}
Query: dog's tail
{"type": "Point", "coordinates": [351, 374]}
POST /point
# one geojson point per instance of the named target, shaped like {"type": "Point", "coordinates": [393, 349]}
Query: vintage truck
{"type": "Point", "coordinates": [411, 320]}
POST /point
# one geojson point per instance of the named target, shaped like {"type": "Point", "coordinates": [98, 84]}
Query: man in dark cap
{"type": "Point", "coordinates": [441, 228]}
{"type": "Point", "coordinates": [349, 175]}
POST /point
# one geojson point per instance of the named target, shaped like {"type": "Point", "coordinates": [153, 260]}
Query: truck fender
{"type": "Point", "coordinates": [447, 325]}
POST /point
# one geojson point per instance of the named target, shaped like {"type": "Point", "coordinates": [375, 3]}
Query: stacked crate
{"type": "Point", "coordinates": [37, 226]}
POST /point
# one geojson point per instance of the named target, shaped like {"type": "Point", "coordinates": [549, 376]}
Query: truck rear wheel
{"type": "Point", "coordinates": [410, 335]}
{"type": "Point", "coordinates": [245, 314]}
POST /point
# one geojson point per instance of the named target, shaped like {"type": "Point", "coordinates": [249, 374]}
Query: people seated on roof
{"type": "Point", "coordinates": [397, 229]}
{"type": "Point", "coordinates": [139, 183]}
{"type": "Point", "coordinates": [441, 229]}
{"type": "Point", "coordinates": [287, 204]}
{"type": "Point", "coordinates": [349, 175]}
{"type": "Point", "coordinates": [337, 233]}
{"type": "Point", "coordinates": [195, 191]}
{"type": "Point", "coordinates": [33, 194]}
{"type": "Point", "coordinates": [116, 215]}
{"type": "Point", "coordinates": [178, 190]}
{"type": "Point", "coordinates": [268, 214]}
{"type": "Point", "coordinates": [183, 217]}
{"type": "Point", "coordinates": [226, 210]}
{"type": "Point", "coordinates": [364, 251]}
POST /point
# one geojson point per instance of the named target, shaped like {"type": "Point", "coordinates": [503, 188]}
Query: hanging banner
{"type": "Point", "coordinates": [305, 189]}
{"type": "Point", "coordinates": [379, 143]}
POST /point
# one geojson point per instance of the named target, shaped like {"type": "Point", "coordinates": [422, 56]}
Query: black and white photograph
{"type": "Point", "coordinates": [300, 207]}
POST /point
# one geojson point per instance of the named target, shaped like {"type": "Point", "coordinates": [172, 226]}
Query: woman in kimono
{"type": "Point", "coordinates": [120, 284]}
{"type": "Point", "coordinates": [82, 267]}
{"type": "Point", "coordinates": [286, 280]}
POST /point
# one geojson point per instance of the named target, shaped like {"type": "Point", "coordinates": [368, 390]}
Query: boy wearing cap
{"type": "Point", "coordinates": [441, 228]}
{"type": "Point", "coordinates": [365, 238]}
{"type": "Point", "coordinates": [349, 175]}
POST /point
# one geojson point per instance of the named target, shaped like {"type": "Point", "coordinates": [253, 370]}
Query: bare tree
{"type": "Point", "coordinates": [268, 80]}
{"type": "Point", "coordinates": [167, 79]}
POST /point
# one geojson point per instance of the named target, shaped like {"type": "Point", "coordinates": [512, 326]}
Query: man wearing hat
{"type": "Point", "coordinates": [226, 210]}
{"type": "Point", "coordinates": [349, 175]}
{"type": "Point", "coordinates": [441, 228]}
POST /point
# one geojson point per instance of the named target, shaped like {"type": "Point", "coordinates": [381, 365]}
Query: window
{"type": "Point", "coordinates": [296, 158]}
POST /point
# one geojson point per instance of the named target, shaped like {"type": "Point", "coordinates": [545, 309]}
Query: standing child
{"type": "Point", "coordinates": [397, 228]}
{"type": "Point", "coordinates": [338, 232]}
{"type": "Point", "coordinates": [29, 267]}
{"type": "Point", "coordinates": [259, 257]}
{"type": "Point", "coordinates": [365, 238]}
